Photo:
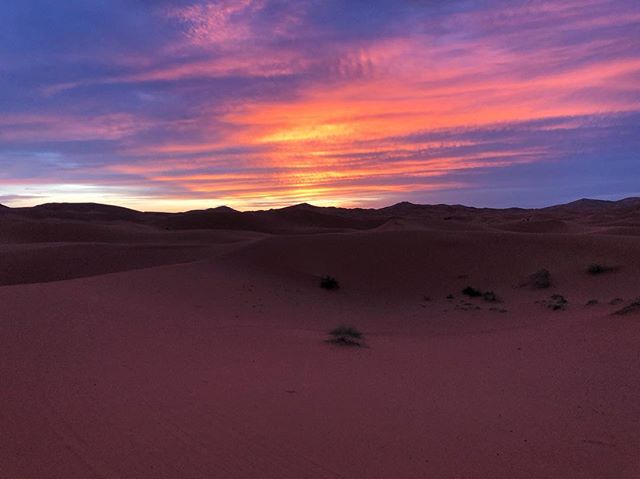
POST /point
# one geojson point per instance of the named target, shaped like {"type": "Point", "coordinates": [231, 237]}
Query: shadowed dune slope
{"type": "Point", "coordinates": [45, 263]}
{"type": "Point", "coordinates": [396, 249]}
{"type": "Point", "coordinates": [410, 263]}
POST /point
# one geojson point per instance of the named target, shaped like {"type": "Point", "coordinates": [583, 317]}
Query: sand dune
{"type": "Point", "coordinates": [79, 211]}
{"type": "Point", "coordinates": [66, 261]}
{"type": "Point", "coordinates": [579, 216]}
{"type": "Point", "coordinates": [131, 350]}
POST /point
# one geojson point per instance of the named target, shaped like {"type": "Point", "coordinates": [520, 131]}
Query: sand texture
{"type": "Point", "coordinates": [193, 345]}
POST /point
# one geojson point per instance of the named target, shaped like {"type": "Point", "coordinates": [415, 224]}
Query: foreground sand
{"type": "Point", "coordinates": [199, 354]}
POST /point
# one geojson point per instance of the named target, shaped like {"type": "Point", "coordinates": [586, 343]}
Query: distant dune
{"type": "Point", "coordinates": [579, 216]}
{"type": "Point", "coordinates": [183, 345]}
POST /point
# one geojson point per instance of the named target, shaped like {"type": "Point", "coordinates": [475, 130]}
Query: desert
{"type": "Point", "coordinates": [313, 239]}
{"type": "Point", "coordinates": [184, 345]}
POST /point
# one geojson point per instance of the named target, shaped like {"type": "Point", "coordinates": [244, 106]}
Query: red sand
{"type": "Point", "coordinates": [202, 354]}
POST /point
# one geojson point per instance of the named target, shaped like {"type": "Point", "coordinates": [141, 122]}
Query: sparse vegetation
{"type": "Point", "coordinates": [472, 292]}
{"type": "Point", "coordinates": [633, 307]}
{"type": "Point", "coordinates": [346, 336]}
{"type": "Point", "coordinates": [488, 296]}
{"type": "Point", "coordinates": [557, 302]}
{"type": "Point", "coordinates": [541, 279]}
{"type": "Point", "coordinates": [329, 283]}
{"type": "Point", "coordinates": [595, 269]}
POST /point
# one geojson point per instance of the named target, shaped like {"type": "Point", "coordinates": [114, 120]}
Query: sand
{"type": "Point", "coordinates": [138, 345]}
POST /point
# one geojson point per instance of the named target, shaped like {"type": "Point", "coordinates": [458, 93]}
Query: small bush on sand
{"type": "Point", "coordinates": [557, 302]}
{"type": "Point", "coordinates": [633, 307]}
{"type": "Point", "coordinates": [472, 292]}
{"type": "Point", "coordinates": [592, 302]}
{"type": "Point", "coordinates": [596, 269]}
{"type": "Point", "coordinates": [346, 336]}
{"type": "Point", "coordinates": [329, 283]}
{"type": "Point", "coordinates": [488, 296]}
{"type": "Point", "coordinates": [541, 279]}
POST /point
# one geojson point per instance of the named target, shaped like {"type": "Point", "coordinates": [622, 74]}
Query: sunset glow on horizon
{"type": "Point", "coordinates": [181, 104]}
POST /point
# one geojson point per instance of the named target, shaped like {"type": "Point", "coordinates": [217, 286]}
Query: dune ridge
{"type": "Point", "coordinates": [581, 215]}
{"type": "Point", "coordinates": [108, 232]}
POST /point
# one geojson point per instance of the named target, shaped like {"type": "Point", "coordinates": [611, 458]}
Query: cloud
{"type": "Point", "coordinates": [256, 101]}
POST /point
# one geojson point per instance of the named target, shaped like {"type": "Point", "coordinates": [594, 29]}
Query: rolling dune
{"type": "Point", "coordinates": [131, 350]}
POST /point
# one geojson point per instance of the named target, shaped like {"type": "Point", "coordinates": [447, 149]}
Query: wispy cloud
{"type": "Point", "coordinates": [262, 102]}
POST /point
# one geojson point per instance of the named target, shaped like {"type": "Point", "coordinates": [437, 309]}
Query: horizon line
{"type": "Point", "coordinates": [222, 206]}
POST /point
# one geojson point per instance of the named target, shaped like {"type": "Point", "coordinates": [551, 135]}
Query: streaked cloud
{"type": "Point", "coordinates": [258, 103]}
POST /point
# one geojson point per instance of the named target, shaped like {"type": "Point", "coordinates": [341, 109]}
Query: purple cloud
{"type": "Point", "coordinates": [258, 102]}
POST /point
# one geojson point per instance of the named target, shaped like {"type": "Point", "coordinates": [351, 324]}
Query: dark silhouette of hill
{"type": "Point", "coordinates": [621, 216]}
{"type": "Point", "coordinates": [80, 211]}
{"type": "Point", "coordinates": [587, 205]}
{"type": "Point", "coordinates": [298, 218]}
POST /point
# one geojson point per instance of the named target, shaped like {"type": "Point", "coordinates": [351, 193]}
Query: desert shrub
{"type": "Point", "coordinates": [596, 269]}
{"type": "Point", "coordinates": [346, 336]}
{"type": "Point", "coordinates": [541, 279]}
{"type": "Point", "coordinates": [329, 283]}
{"type": "Point", "coordinates": [472, 292]}
{"type": "Point", "coordinates": [592, 302]}
{"type": "Point", "coordinates": [490, 296]}
{"type": "Point", "coordinates": [633, 307]}
{"type": "Point", "coordinates": [557, 302]}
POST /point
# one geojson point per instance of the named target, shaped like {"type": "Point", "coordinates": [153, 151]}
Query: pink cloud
{"type": "Point", "coordinates": [51, 127]}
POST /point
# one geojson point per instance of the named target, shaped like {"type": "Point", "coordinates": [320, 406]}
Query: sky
{"type": "Point", "coordinates": [181, 104]}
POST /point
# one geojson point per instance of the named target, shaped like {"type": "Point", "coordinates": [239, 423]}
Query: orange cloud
{"type": "Point", "coordinates": [348, 120]}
